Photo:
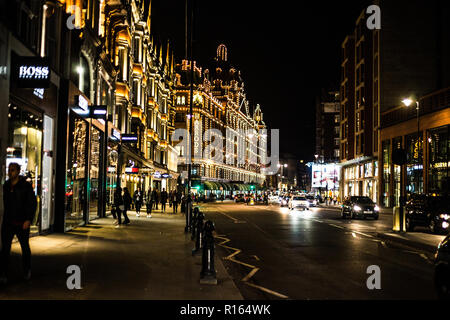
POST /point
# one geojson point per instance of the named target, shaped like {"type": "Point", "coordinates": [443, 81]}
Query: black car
{"type": "Point", "coordinates": [239, 198]}
{"type": "Point", "coordinates": [428, 211]}
{"type": "Point", "coordinates": [442, 269]}
{"type": "Point", "coordinates": [360, 207]}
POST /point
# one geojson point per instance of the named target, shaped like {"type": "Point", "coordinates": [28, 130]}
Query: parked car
{"type": "Point", "coordinates": [428, 211]}
{"type": "Point", "coordinates": [312, 201]}
{"type": "Point", "coordinates": [297, 202]}
{"type": "Point", "coordinates": [239, 198]}
{"type": "Point", "coordinates": [360, 207]}
{"type": "Point", "coordinates": [442, 269]}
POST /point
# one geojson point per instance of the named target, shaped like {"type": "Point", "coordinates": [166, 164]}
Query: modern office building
{"type": "Point", "coordinates": [380, 68]}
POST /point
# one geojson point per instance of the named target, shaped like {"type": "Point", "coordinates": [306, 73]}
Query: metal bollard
{"type": "Point", "coordinates": [208, 273]}
{"type": "Point", "coordinates": [194, 222]}
{"type": "Point", "coordinates": [199, 231]}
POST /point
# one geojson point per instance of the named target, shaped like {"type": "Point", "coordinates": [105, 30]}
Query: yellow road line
{"type": "Point", "coordinates": [251, 273]}
{"type": "Point", "coordinates": [268, 291]}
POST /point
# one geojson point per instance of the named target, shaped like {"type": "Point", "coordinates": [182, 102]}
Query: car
{"type": "Point", "coordinates": [442, 269]}
{"type": "Point", "coordinates": [284, 201]}
{"type": "Point", "coordinates": [273, 199]}
{"type": "Point", "coordinates": [428, 211]}
{"type": "Point", "coordinates": [239, 198]}
{"type": "Point", "coordinates": [296, 202]}
{"type": "Point", "coordinates": [360, 207]}
{"type": "Point", "coordinates": [312, 201]}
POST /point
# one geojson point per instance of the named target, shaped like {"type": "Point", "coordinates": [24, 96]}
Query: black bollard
{"type": "Point", "coordinates": [208, 273]}
{"type": "Point", "coordinates": [194, 222]}
{"type": "Point", "coordinates": [199, 233]}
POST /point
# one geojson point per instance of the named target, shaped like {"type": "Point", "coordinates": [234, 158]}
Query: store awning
{"type": "Point", "coordinates": [223, 186]}
{"type": "Point", "coordinates": [227, 186]}
{"type": "Point", "coordinates": [208, 185]}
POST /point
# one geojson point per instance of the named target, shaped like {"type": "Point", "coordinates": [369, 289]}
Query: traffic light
{"type": "Point", "coordinates": [252, 187]}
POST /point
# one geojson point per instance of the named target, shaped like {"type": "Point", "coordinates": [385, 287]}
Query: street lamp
{"type": "Point", "coordinates": [408, 102]}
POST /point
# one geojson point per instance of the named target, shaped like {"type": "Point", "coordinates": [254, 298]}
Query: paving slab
{"type": "Point", "coordinates": [150, 259]}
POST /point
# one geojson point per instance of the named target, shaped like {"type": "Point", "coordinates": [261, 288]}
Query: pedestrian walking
{"type": "Point", "coordinates": [137, 199]}
{"type": "Point", "coordinates": [149, 203]}
{"type": "Point", "coordinates": [164, 197]}
{"type": "Point", "coordinates": [170, 196]}
{"type": "Point", "coordinates": [20, 206]}
{"type": "Point", "coordinates": [118, 205]}
{"type": "Point", "coordinates": [176, 200]}
{"type": "Point", "coordinates": [127, 200]}
{"type": "Point", "coordinates": [183, 203]}
{"type": "Point", "coordinates": [155, 198]}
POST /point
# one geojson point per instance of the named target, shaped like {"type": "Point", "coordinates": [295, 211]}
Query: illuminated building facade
{"type": "Point", "coordinates": [219, 102]}
{"type": "Point", "coordinates": [101, 56]}
{"type": "Point", "coordinates": [380, 68]}
{"type": "Point", "coordinates": [143, 100]}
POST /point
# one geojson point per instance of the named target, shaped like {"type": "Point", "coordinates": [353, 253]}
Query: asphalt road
{"type": "Point", "coordinates": [277, 254]}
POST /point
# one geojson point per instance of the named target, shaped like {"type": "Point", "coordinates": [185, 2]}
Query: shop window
{"type": "Point", "coordinates": [414, 167]}
{"type": "Point", "coordinates": [75, 200]}
{"type": "Point", "coordinates": [25, 131]}
{"type": "Point", "coordinates": [438, 168]}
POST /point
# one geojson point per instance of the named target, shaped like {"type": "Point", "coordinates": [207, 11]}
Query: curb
{"type": "Point", "coordinates": [409, 243]}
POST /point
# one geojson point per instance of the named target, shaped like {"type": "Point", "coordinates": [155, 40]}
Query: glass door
{"type": "Point", "coordinates": [75, 199]}
{"type": "Point", "coordinates": [95, 173]}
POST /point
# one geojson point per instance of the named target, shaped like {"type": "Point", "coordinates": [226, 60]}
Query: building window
{"type": "Point", "coordinates": [438, 168]}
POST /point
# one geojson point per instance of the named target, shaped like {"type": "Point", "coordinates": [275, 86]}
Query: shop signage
{"type": "Point", "coordinates": [157, 175]}
{"type": "Point", "coordinates": [82, 103]}
{"type": "Point", "coordinates": [129, 138]}
{"type": "Point", "coordinates": [30, 72]}
{"type": "Point", "coordinates": [115, 134]}
{"type": "Point", "coordinates": [131, 170]}
{"type": "Point", "coordinates": [166, 175]}
{"type": "Point", "coordinates": [99, 112]}
{"type": "Point", "coordinates": [39, 92]}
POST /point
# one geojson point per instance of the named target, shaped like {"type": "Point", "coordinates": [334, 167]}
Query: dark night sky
{"type": "Point", "coordinates": [286, 53]}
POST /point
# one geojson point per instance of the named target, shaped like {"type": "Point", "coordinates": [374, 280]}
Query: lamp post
{"type": "Point", "coordinates": [191, 101]}
{"type": "Point", "coordinates": [408, 102]}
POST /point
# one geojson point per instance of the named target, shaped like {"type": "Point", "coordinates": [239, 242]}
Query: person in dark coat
{"type": "Point", "coordinates": [137, 198]}
{"type": "Point", "coordinates": [20, 206]}
{"type": "Point", "coordinates": [149, 203]}
{"type": "Point", "coordinates": [118, 204]}
{"type": "Point", "coordinates": [164, 197]}
{"type": "Point", "coordinates": [127, 200]}
{"type": "Point", "coordinates": [155, 198]}
{"type": "Point", "coordinates": [176, 200]}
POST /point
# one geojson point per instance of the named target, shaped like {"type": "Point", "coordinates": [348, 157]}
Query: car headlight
{"type": "Point", "coordinates": [377, 208]}
{"type": "Point", "coordinates": [357, 208]}
{"type": "Point", "coordinates": [444, 216]}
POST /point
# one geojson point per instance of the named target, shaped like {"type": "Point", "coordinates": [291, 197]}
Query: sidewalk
{"type": "Point", "coordinates": [418, 240]}
{"type": "Point", "coordinates": [150, 259]}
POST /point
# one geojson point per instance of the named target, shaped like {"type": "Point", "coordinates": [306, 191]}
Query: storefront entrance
{"type": "Point", "coordinates": [25, 131]}
{"type": "Point", "coordinates": [76, 175]}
